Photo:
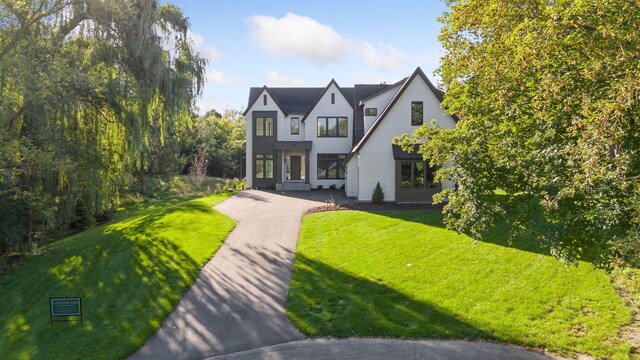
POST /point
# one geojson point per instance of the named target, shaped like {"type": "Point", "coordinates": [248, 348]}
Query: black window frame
{"type": "Point", "coordinates": [264, 99]}
{"type": "Point", "coordinates": [297, 122]}
{"type": "Point", "coordinates": [333, 98]}
{"type": "Point", "coordinates": [326, 162]}
{"type": "Point", "coordinates": [267, 126]}
{"type": "Point", "coordinates": [417, 119]}
{"type": "Point", "coordinates": [371, 112]}
{"type": "Point", "coordinates": [263, 160]}
{"type": "Point", "coordinates": [340, 132]}
{"type": "Point", "coordinates": [427, 179]}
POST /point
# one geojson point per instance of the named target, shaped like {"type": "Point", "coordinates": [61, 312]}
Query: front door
{"type": "Point", "coordinates": [295, 167]}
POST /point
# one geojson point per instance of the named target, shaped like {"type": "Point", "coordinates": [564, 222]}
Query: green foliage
{"type": "Point", "coordinates": [548, 100]}
{"type": "Point", "coordinates": [131, 274]}
{"type": "Point", "coordinates": [222, 139]}
{"type": "Point", "coordinates": [378, 195]}
{"type": "Point", "coordinates": [88, 95]}
{"type": "Point", "coordinates": [415, 279]}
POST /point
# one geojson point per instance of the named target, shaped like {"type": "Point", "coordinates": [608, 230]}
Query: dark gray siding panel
{"type": "Point", "coordinates": [265, 145]}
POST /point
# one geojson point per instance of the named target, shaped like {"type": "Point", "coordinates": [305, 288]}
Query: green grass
{"type": "Point", "coordinates": [401, 274]}
{"type": "Point", "coordinates": [131, 273]}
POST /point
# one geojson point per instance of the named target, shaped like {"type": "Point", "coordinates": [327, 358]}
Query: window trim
{"type": "Point", "coordinates": [264, 99]}
{"type": "Point", "coordinates": [414, 121]}
{"type": "Point", "coordinates": [326, 127]}
{"type": "Point", "coordinates": [333, 98]}
{"type": "Point", "coordinates": [330, 158]}
{"type": "Point", "coordinates": [371, 111]}
{"type": "Point", "coordinates": [297, 122]}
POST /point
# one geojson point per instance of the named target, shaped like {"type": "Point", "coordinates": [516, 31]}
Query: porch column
{"type": "Point", "coordinates": [278, 167]}
{"type": "Point", "coordinates": [306, 166]}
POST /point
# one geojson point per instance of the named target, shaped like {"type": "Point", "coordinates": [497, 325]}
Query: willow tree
{"type": "Point", "coordinates": [548, 97]}
{"type": "Point", "coordinates": [86, 86]}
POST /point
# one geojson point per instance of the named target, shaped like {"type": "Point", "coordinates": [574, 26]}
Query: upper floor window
{"type": "Point", "coordinates": [371, 112]}
{"type": "Point", "coordinates": [295, 126]}
{"type": "Point", "coordinates": [333, 98]}
{"type": "Point", "coordinates": [264, 99]}
{"type": "Point", "coordinates": [332, 127]}
{"type": "Point", "coordinates": [264, 126]}
{"type": "Point", "coordinates": [417, 113]}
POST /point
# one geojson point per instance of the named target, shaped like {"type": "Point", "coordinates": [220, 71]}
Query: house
{"type": "Point", "coordinates": [308, 138]}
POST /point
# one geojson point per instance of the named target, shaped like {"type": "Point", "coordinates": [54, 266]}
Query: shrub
{"type": "Point", "coordinates": [332, 186]}
{"type": "Point", "coordinates": [342, 187]}
{"type": "Point", "coordinates": [378, 194]}
{"type": "Point", "coordinates": [320, 187]}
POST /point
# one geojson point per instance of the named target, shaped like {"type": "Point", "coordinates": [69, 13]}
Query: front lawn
{"type": "Point", "coordinates": [401, 274]}
{"type": "Point", "coordinates": [130, 273]}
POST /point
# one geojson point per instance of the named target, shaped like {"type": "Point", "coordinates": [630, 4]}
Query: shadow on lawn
{"type": "Point", "coordinates": [326, 301]}
{"type": "Point", "coordinates": [129, 278]}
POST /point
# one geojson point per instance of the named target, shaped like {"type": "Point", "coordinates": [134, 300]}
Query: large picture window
{"type": "Point", "coordinates": [416, 175]}
{"type": "Point", "coordinates": [264, 166]}
{"type": "Point", "coordinates": [417, 113]}
{"type": "Point", "coordinates": [264, 126]}
{"type": "Point", "coordinates": [333, 127]}
{"type": "Point", "coordinates": [330, 166]}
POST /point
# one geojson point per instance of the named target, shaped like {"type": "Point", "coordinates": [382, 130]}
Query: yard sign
{"type": "Point", "coordinates": [65, 307]}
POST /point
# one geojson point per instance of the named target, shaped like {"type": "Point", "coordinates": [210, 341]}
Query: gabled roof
{"type": "Point", "coordinates": [289, 100]}
{"type": "Point", "coordinates": [438, 94]}
{"type": "Point", "coordinates": [382, 91]}
{"type": "Point", "coordinates": [347, 93]}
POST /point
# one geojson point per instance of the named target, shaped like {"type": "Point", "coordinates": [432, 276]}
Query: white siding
{"type": "Point", "coordinates": [379, 102]}
{"type": "Point", "coordinates": [258, 106]}
{"type": "Point", "coordinates": [375, 162]}
{"type": "Point", "coordinates": [352, 178]}
{"type": "Point", "coordinates": [327, 145]}
{"type": "Point", "coordinates": [286, 133]}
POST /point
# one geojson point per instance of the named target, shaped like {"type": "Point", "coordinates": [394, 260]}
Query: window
{"type": "Point", "coordinates": [330, 166]}
{"type": "Point", "coordinates": [264, 166]}
{"type": "Point", "coordinates": [259, 126]}
{"type": "Point", "coordinates": [417, 113]}
{"type": "Point", "coordinates": [371, 112]}
{"type": "Point", "coordinates": [333, 127]}
{"type": "Point", "coordinates": [264, 100]}
{"type": "Point", "coordinates": [416, 175]}
{"type": "Point", "coordinates": [264, 127]}
{"type": "Point", "coordinates": [333, 98]}
{"type": "Point", "coordinates": [295, 126]}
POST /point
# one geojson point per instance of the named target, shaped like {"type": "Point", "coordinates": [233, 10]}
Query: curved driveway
{"type": "Point", "coordinates": [236, 307]}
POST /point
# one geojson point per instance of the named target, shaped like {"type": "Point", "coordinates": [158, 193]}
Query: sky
{"type": "Point", "coordinates": [308, 43]}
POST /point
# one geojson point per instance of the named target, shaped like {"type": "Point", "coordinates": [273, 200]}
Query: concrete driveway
{"type": "Point", "coordinates": [236, 307]}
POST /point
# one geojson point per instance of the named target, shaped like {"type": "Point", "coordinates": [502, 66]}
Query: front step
{"type": "Point", "coordinates": [293, 187]}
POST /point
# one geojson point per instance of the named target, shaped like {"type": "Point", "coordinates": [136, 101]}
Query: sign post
{"type": "Point", "coordinates": [65, 307]}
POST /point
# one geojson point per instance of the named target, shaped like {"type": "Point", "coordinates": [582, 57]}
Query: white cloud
{"type": "Point", "coordinates": [168, 43]}
{"type": "Point", "coordinates": [276, 79]}
{"type": "Point", "coordinates": [219, 78]}
{"type": "Point", "coordinates": [299, 36]}
{"type": "Point", "coordinates": [206, 51]}
{"type": "Point", "coordinates": [385, 57]}
{"type": "Point", "coordinates": [371, 77]}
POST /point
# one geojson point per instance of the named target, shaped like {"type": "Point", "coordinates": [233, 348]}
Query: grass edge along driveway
{"type": "Point", "coordinates": [401, 274]}
{"type": "Point", "coordinates": [131, 274]}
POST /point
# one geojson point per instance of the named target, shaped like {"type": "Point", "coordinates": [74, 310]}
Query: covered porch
{"type": "Point", "coordinates": [292, 159]}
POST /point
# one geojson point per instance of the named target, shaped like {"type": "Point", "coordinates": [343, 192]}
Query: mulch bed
{"type": "Point", "coordinates": [373, 207]}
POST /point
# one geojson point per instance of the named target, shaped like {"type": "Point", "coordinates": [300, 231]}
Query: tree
{"type": "Point", "coordinates": [548, 98]}
{"type": "Point", "coordinates": [222, 138]}
{"type": "Point", "coordinates": [88, 92]}
{"type": "Point", "coordinates": [198, 170]}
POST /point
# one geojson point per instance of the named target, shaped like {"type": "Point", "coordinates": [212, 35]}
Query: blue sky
{"type": "Point", "coordinates": [307, 43]}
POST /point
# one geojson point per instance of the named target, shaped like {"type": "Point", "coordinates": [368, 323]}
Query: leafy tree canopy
{"type": "Point", "coordinates": [88, 89]}
{"type": "Point", "coordinates": [547, 93]}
